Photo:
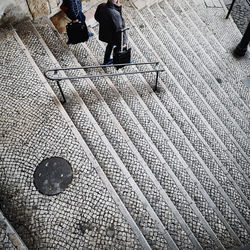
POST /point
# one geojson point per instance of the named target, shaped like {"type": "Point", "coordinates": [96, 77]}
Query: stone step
{"type": "Point", "coordinates": [110, 130]}
{"type": "Point", "coordinates": [169, 129]}
{"type": "Point", "coordinates": [89, 213]}
{"type": "Point", "coordinates": [196, 101]}
{"type": "Point", "coordinates": [237, 68]}
{"type": "Point", "coordinates": [191, 133]}
{"type": "Point", "coordinates": [193, 88]}
{"type": "Point", "coordinates": [151, 158]}
{"type": "Point", "coordinates": [186, 47]}
{"type": "Point", "coordinates": [192, 48]}
{"type": "Point", "coordinates": [206, 84]}
{"type": "Point", "coordinates": [9, 239]}
{"type": "Point", "coordinates": [141, 113]}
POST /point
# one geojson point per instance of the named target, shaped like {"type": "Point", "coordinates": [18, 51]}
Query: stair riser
{"type": "Point", "coordinates": [186, 105]}
{"type": "Point", "coordinates": [190, 47]}
{"type": "Point", "coordinates": [188, 86]}
{"type": "Point", "coordinates": [216, 47]}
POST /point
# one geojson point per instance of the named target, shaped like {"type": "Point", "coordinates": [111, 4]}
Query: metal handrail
{"type": "Point", "coordinates": [230, 9]}
{"type": "Point", "coordinates": [59, 78]}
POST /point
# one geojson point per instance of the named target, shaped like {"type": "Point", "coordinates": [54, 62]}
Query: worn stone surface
{"type": "Point", "coordinates": [83, 214]}
{"type": "Point", "coordinates": [9, 238]}
{"type": "Point", "coordinates": [13, 11]}
{"type": "Point", "coordinates": [178, 158]}
{"type": "Point", "coordinates": [38, 8]}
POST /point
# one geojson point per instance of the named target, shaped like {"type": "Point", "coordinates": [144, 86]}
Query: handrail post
{"type": "Point", "coordinates": [61, 91]}
{"type": "Point", "coordinates": [156, 81]}
{"type": "Point", "coordinates": [230, 9]}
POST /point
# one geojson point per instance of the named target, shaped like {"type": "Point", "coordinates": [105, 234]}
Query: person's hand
{"type": "Point", "coordinates": [75, 21]}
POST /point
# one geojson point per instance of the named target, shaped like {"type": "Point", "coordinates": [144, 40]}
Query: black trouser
{"type": "Point", "coordinates": [108, 52]}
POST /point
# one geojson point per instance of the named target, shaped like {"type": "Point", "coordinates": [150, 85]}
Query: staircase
{"type": "Point", "coordinates": [152, 170]}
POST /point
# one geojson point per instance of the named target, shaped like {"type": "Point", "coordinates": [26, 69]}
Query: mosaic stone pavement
{"type": "Point", "coordinates": [151, 170]}
{"type": "Point", "coordinates": [240, 13]}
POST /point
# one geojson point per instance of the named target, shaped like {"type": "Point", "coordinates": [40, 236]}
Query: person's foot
{"type": "Point", "coordinates": [91, 34]}
{"type": "Point", "coordinates": [239, 52]}
{"type": "Point", "coordinates": [109, 62]}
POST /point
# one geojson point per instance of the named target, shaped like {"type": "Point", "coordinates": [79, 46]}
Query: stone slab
{"type": "Point", "coordinates": [247, 81]}
{"type": "Point", "coordinates": [9, 238]}
{"type": "Point", "coordinates": [213, 4]}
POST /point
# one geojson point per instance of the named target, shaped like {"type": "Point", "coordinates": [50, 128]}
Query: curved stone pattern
{"type": "Point", "coordinates": [32, 129]}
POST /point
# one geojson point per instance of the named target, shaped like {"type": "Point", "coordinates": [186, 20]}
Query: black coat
{"type": "Point", "coordinates": [111, 22]}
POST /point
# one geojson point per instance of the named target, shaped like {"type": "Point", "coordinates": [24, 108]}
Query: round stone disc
{"type": "Point", "coordinates": [52, 176]}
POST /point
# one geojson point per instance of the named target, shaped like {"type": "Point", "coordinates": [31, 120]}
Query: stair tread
{"type": "Point", "coordinates": [150, 57]}
{"type": "Point", "coordinates": [31, 99]}
{"type": "Point", "coordinates": [160, 170]}
{"type": "Point", "coordinates": [238, 68]}
{"type": "Point", "coordinates": [191, 47]}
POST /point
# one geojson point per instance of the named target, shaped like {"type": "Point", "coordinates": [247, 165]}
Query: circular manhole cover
{"type": "Point", "coordinates": [52, 176]}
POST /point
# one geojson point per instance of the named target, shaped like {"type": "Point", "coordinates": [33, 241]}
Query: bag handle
{"type": "Point", "coordinates": [123, 30]}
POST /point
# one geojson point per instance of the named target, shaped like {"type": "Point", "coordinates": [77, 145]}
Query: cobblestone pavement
{"type": "Point", "coordinates": [9, 238]}
{"type": "Point", "coordinates": [151, 170]}
{"type": "Point", "coordinates": [240, 13]}
{"type": "Point", "coordinates": [31, 130]}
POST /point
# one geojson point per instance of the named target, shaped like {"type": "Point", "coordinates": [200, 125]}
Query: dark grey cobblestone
{"type": "Point", "coordinates": [168, 103]}
{"type": "Point", "coordinates": [33, 129]}
{"type": "Point", "coordinates": [240, 14]}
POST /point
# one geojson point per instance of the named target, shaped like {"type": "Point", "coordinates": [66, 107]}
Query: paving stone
{"type": "Point", "coordinates": [177, 159]}
{"type": "Point", "coordinates": [34, 130]}
{"type": "Point", "coordinates": [106, 123]}
{"type": "Point", "coordinates": [247, 82]}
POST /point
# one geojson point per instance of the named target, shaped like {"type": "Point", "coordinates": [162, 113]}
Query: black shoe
{"type": "Point", "coordinates": [239, 52]}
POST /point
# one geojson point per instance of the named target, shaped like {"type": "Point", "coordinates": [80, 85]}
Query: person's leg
{"type": "Point", "coordinates": [81, 17]}
{"type": "Point", "coordinates": [108, 52]}
{"type": "Point", "coordinates": [241, 48]}
{"type": "Point", "coordinates": [246, 38]}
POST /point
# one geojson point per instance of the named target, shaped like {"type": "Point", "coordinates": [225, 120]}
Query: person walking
{"type": "Point", "coordinates": [109, 17]}
{"type": "Point", "coordinates": [73, 10]}
{"type": "Point", "coordinates": [241, 48]}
